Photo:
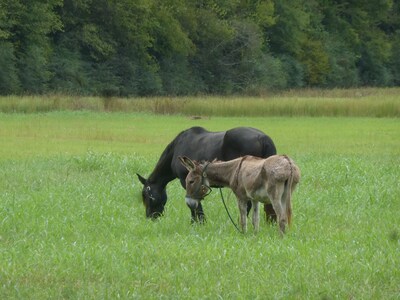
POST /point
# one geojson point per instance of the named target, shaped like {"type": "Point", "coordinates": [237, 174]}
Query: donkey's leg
{"type": "Point", "coordinates": [275, 194]}
{"type": "Point", "coordinates": [197, 214]}
{"type": "Point", "coordinates": [201, 217]}
{"type": "Point", "coordinates": [256, 216]}
{"type": "Point", "coordinates": [243, 214]}
{"type": "Point", "coordinates": [286, 201]}
{"type": "Point", "coordinates": [193, 218]}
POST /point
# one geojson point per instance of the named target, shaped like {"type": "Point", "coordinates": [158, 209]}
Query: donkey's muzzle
{"type": "Point", "coordinates": [192, 203]}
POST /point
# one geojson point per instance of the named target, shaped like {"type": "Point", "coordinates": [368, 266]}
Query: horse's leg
{"type": "Point", "coordinates": [256, 216]}
{"type": "Point", "coordinates": [248, 207]}
{"type": "Point", "coordinates": [270, 214]}
{"type": "Point", "coordinates": [243, 214]}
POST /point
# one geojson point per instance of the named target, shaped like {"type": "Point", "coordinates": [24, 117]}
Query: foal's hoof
{"type": "Point", "coordinates": [198, 220]}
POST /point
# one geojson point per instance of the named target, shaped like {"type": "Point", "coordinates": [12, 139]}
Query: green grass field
{"type": "Point", "coordinates": [72, 223]}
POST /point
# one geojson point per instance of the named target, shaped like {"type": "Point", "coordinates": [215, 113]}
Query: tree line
{"type": "Point", "coordinates": [180, 47]}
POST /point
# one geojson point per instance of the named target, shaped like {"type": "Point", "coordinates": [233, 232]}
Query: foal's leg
{"type": "Point", "coordinates": [193, 216]}
{"type": "Point", "coordinates": [200, 213]}
{"type": "Point", "coordinates": [197, 214]}
{"type": "Point", "coordinates": [243, 214]}
{"type": "Point", "coordinates": [256, 215]}
{"type": "Point", "coordinates": [276, 193]}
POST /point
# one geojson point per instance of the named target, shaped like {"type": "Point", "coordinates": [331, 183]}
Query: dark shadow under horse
{"type": "Point", "coordinates": [199, 144]}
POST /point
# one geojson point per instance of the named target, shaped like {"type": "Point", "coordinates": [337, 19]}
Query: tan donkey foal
{"type": "Point", "coordinates": [271, 180]}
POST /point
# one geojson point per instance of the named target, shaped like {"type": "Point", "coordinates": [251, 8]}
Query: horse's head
{"type": "Point", "coordinates": [197, 185]}
{"type": "Point", "coordinates": [154, 198]}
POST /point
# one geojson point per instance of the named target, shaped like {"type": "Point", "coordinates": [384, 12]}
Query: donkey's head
{"type": "Point", "coordinates": [197, 185]}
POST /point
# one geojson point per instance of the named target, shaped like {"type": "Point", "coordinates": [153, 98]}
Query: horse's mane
{"type": "Point", "coordinates": [166, 156]}
{"type": "Point", "coordinates": [168, 151]}
{"type": "Point", "coordinates": [163, 166]}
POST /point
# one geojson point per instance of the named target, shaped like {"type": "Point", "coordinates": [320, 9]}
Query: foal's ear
{"type": "Point", "coordinates": [187, 163]}
{"type": "Point", "coordinates": [141, 179]}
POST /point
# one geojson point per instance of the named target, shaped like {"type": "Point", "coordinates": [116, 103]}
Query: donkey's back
{"type": "Point", "coordinates": [257, 174]}
{"type": "Point", "coordinates": [280, 168]}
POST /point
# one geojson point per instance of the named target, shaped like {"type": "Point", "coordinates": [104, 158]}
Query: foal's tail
{"type": "Point", "coordinates": [288, 191]}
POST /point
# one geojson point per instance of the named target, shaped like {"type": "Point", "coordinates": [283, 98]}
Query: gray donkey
{"type": "Point", "coordinates": [271, 180]}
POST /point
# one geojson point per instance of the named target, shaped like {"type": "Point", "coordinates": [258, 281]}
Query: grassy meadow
{"type": "Point", "coordinates": [72, 224]}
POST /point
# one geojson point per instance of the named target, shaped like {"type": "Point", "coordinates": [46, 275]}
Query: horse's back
{"type": "Point", "coordinates": [200, 144]}
{"type": "Point", "coordinates": [243, 141]}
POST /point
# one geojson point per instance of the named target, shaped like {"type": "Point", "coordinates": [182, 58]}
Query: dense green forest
{"type": "Point", "coordinates": [179, 47]}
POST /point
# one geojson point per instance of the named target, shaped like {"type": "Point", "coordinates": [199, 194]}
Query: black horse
{"type": "Point", "coordinates": [200, 144]}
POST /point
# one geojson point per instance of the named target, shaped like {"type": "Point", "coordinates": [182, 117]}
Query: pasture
{"type": "Point", "coordinates": [72, 223]}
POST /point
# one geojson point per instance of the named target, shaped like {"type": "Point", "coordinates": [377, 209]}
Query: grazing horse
{"type": "Point", "coordinates": [271, 180]}
{"type": "Point", "coordinates": [199, 144]}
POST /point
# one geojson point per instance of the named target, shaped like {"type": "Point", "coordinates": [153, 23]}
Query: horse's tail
{"type": "Point", "coordinates": [288, 191]}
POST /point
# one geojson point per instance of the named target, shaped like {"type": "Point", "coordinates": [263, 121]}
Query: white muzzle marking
{"type": "Point", "coordinates": [192, 203]}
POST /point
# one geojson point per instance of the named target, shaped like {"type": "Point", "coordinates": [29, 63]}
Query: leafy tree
{"type": "Point", "coordinates": [9, 82]}
{"type": "Point", "coordinates": [355, 25]}
{"type": "Point", "coordinates": [177, 47]}
{"type": "Point", "coordinates": [391, 27]}
{"type": "Point", "coordinates": [343, 70]}
{"type": "Point", "coordinates": [32, 22]}
{"type": "Point", "coordinates": [292, 36]}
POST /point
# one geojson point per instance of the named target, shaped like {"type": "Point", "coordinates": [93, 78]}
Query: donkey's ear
{"type": "Point", "coordinates": [187, 163]}
{"type": "Point", "coordinates": [141, 179]}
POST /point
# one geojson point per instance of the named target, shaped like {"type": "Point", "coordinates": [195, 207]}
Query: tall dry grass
{"type": "Point", "coordinates": [371, 102]}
